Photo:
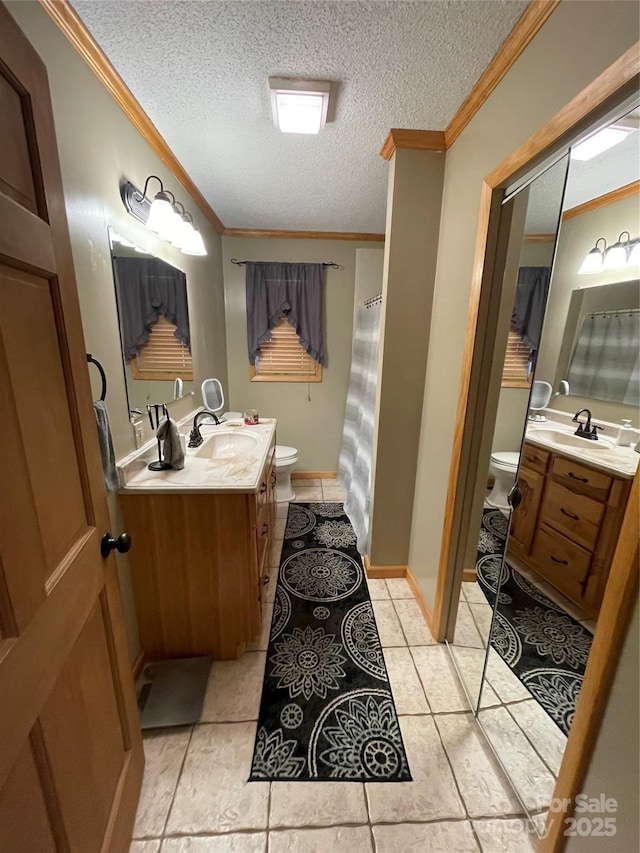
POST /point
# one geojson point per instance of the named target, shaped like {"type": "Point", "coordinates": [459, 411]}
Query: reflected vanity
{"type": "Point", "coordinates": [528, 608]}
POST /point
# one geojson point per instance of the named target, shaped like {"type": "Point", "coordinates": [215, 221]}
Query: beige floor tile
{"type": "Point", "coordinates": [466, 633]}
{"type": "Point", "coordinates": [279, 527]}
{"type": "Point", "coordinates": [269, 589]}
{"type": "Point", "coordinates": [333, 492]}
{"type": "Point", "coordinates": [405, 684]}
{"type": "Point", "coordinates": [282, 509]}
{"type": "Point", "coordinates": [483, 785]}
{"type": "Point", "coordinates": [316, 803]}
{"type": "Point", "coordinates": [482, 616]}
{"type": "Point", "coordinates": [473, 593]}
{"type": "Point", "coordinates": [530, 777]}
{"type": "Point", "coordinates": [335, 839]}
{"type": "Point", "coordinates": [543, 733]}
{"type": "Point", "coordinates": [164, 752]}
{"type": "Point", "coordinates": [261, 643]}
{"type": "Point", "coordinates": [505, 683]}
{"type": "Point", "coordinates": [234, 689]}
{"type": "Point", "coordinates": [148, 846]}
{"type": "Point", "coordinates": [275, 552]}
{"type": "Point", "coordinates": [213, 794]}
{"type": "Point", "coordinates": [305, 495]}
{"type": "Point", "coordinates": [470, 665]}
{"type": "Point", "coordinates": [441, 837]}
{"type": "Point", "coordinates": [413, 623]}
{"type": "Point", "coordinates": [388, 624]}
{"type": "Point", "coordinates": [439, 679]}
{"type": "Point", "coordinates": [539, 821]}
{"type": "Point", "coordinates": [377, 589]}
{"type": "Point", "coordinates": [236, 842]}
{"type": "Point", "coordinates": [505, 836]}
{"type": "Point", "coordinates": [399, 588]}
{"type": "Point", "coordinates": [432, 795]}
{"type": "Point", "coordinates": [306, 483]}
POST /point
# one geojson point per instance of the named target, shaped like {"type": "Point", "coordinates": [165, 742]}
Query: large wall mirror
{"type": "Point", "coordinates": [555, 494]}
{"type": "Point", "coordinates": [153, 314]}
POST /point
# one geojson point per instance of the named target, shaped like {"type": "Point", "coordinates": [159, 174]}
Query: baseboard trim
{"type": "Point", "coordinates": [136, 666]}
{"type": "Point", "coordinates": [375, 572]}
{"type": "Point", "coordinates": [313, 475]}
{"type": "Point", "coordinates": [469, 575]}
{"type": "Point", "coordinates": [419, 597]}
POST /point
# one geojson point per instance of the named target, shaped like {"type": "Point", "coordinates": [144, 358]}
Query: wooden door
{"type": "Point", "coordinates": [70, 747]}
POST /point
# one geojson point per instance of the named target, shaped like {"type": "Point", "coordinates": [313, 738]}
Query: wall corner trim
{"type": "Point", "coordinates": [69, 23]}
{"type": "Point", "coordinates": [416, 140]}
{"type": "Point", "coordinates": [524, 31]}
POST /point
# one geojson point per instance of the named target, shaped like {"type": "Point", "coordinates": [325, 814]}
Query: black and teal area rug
{"type": "Point", "coordinates": [327, 712]}
{"type": "Point", "coordinates": [544, 647]}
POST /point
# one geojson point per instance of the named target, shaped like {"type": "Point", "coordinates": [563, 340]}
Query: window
{"type": "Point", "coordinates": [516, 370]}
{"type": "Point", "coordinates": [163, 356]}
{"type": "Point", "coordinates": [282, 359]}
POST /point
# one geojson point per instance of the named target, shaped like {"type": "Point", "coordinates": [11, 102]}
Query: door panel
{"type": "Point", "coordinates": [70, 746]}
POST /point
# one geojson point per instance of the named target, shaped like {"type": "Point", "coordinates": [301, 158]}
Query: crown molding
{"type": "Point", "coordinates": [602, 200]}
{"type": "Point", "coordinates": [415, 140]}
{"type": "Point", "coordinates": [71, 26]}
{"type": "Point", "coordinates": [352, 236]}
{"type": "Point", "coordinates": [525, 30]}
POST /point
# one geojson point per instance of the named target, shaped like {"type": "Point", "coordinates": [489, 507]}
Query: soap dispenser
{"type": "Point", "coordinates": [626, 434]}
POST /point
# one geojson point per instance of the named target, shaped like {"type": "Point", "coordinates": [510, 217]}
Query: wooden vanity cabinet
{"type": "Point", "coordinates": [197, 564]}
{"type": "Point", "coordinates": [567, 526]}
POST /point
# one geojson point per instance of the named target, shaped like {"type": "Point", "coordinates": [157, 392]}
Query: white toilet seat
{"type": "Point", "coordinates": [506, 460]}
{"type": "Point", "coordinates": [285, 454]}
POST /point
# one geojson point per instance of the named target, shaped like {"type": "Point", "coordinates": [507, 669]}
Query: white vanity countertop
{"type": "Point", "coordinates": [230, 460]}
{"type": "Point", "coordinates": [603, 454]}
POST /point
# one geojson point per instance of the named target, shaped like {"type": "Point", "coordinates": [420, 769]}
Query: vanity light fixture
{"type": "Point", "coordinates": [165, 216]}
{"type": "Point", "coordinates": [299, 106]}
{"type": "Point", "coordinates": [594, 258]}
{"type": "Point", "coordinates": [616, 256]}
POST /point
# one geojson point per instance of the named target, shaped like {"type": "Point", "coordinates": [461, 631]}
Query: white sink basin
{"type": "Point", "coordinates": [226, 444]}
{"type": "Point", "coordinates": [564, 439]}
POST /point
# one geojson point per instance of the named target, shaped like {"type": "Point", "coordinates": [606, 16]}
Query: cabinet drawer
{"type": "Point", "coordinates": [581, 479]}
{"type": "Point", "coordinates": [577, 516]}
{"type": "Point", "coordinates": [560, 561]}
{"type": "Point", "coordinates": [535, 458]}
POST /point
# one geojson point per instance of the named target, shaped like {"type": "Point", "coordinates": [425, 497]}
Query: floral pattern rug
{"type": "Point", "coordinates": [327, 712]}
{"type": "Point", "coordinates": [545, 647]}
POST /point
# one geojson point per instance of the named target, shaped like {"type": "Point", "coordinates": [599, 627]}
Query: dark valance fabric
{"type": "Point", "coordinates": [147, 289]}
{"type": "Point", "coordinates": [529, 304]}
{"type": "Point", "coordinates": [293, 291]}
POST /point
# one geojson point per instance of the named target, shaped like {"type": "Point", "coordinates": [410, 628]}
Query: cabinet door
{"type": "Point", "coordinates": [525, 517]}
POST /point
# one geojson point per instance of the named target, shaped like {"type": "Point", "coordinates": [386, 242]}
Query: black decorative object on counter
{"type": "Point", "coordinates": [327, 712]}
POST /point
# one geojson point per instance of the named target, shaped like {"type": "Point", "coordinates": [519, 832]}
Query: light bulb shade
{"type": "Point", "coordinates": [160, 214]}
{"type": "Point", "coordinates": [194, 244]}
{"type": "Point", "coordinates": [182, 235]}
{"type": "Point", "coordinates": [615, 257]}
{"type": "Point", "coordinates": [634, 256]}
{"type": "Point", "coordinates": [592, 262]}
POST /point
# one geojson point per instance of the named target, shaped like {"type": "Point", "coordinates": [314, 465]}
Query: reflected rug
{"type": "Point", "coordinates": [327, 712]}
{"type": "Point", "coordinates": [545, 647]}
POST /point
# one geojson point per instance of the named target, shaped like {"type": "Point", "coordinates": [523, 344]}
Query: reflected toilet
{"type": "Point", "coordinates": [503, 468]}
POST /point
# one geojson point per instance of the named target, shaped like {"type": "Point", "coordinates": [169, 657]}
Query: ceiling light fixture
{"type": "Point", "coordinates": [599, 142]}
{"type": "Point", "coordinates": [165, 216]}
{"type": "Point", "coordinates": [299, 106]}
{"type": "Point", "coordinates": [593, 260]}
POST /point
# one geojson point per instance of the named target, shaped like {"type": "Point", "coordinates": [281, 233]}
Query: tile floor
{"type": "Point", "coordinates": [195, 797]}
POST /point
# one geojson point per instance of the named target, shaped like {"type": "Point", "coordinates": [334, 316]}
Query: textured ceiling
{"type": "Point", "coordinates": [200, 69]}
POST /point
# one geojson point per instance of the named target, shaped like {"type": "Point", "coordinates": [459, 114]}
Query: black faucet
{"type": "Point", "coordinates": [195, 438]}
{"type": "Point", "coordinates": [586, 430]}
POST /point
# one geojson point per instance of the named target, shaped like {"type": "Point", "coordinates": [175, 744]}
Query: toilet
{"type": "Point", "coordinates": [285, 462]}
{"type": "Point", "coordinates": [503, 467]}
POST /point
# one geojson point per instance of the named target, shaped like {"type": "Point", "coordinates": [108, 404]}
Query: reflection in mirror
{"type": "Point", "coordinates": [544, 553]}
{"type": "Point", "coordinates": [153, 313]}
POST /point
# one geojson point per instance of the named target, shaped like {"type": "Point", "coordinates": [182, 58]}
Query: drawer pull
{"type": "Point", "coordinates": [569, 514]}
{"type": "Point", "coordinates": [575, 477]}
{"type": "Point", "coordinates": [265, 528]}
{"type": "Point", "coordinates": [273, 478]}
{"type": "Point", "coordinates": [263, 488]}
{"type": "Point", "coordinates": [265, 580]}
{"type": "Point", "coordinates": [556, 560]}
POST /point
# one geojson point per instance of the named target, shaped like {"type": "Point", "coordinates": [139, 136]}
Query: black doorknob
{"type": "Point", "coordinates": [514, 498]}
{"type": "Point", "coordinates": [121, 544]}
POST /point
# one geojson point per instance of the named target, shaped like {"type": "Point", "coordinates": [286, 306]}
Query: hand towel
{"type": "Point", "coordinates": [171, 447]}
{"type": "Point", "coordinates": [107, 454]}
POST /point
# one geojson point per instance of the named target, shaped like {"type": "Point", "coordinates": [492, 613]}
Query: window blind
{"type": "Point", "coordinates": [283, 357]}
{"type": "Point", "coordinates": [516, 363]}
{"type": "Point", "coordinates": [163, 356]}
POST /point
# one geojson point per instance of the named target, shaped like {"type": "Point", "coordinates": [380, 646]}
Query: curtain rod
{"type": "Point", "coordinates": [242, 263]}
{"type": "Point", "coordinates": [613, 311]}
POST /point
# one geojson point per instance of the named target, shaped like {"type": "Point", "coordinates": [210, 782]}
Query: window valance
{"type": "Point", "coordinates": [147, 289]}
{"type": "Point", "coordinates": [291, 291]}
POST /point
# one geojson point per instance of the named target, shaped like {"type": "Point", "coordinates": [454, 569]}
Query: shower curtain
{"type": "Point", "coordinates": [354, 464]}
